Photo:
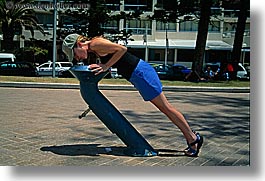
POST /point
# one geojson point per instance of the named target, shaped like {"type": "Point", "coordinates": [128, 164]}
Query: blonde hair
{"type": "Point", "coordinates": [92, 58]}
{"type": "Point", "coordinates": [82, 38]}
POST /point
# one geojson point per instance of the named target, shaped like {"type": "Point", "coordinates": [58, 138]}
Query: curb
{"type": "Point", "coordinates": [124, 87]}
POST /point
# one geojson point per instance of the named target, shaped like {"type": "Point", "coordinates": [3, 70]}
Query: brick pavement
{"type": "Point", "coordinates": [41, 127]}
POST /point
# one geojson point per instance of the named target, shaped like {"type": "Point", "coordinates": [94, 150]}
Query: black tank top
{"type": "Point", "coordinates": [125, 65]}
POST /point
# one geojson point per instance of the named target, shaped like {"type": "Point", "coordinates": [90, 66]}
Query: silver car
{"type": "Point", "coordinates": [242, 72]}
{"type": "Point", "coordinates": [45, 69]}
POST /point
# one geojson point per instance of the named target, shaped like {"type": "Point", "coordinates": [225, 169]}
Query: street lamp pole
{"type": "Point", "coordinates": [54, 55]}
{"type": "Point", "coordinates": [145, 39]}
{"type": "Point", "coordinates": [166, 53]}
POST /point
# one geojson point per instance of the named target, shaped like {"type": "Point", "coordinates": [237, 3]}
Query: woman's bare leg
{"type": "Point", "coordinates": [175, 116]}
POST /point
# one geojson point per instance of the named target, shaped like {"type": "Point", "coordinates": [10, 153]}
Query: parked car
{"type": "Point", "coordinates": [171, 72]}
{"type": "Point", "coordinates": [45, 69]}
{"type": "Point", "coordinates": [7, 57]}
{"type": "Point", "coordinates": [242, 72]}
{"type": "Point", "coordinates": [154, 64]}
{"type": "Point", "coordinates": [247, 67]}
{"type": "Point", "coordinates": [164, 72]}
{"type": "Point", "coordinates": [181, 71]}
{"type": "Point", "coordinates": [17, 69]}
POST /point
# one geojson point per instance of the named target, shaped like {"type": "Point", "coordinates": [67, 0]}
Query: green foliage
{"type": "Point", "coordinates": [37, 51]}
{"type": "Point", "coordinates": [32, 54]}
{"type": "Point", "coordinates": [14, 14]}
{"type": "Point", "coordinates": [124, 81]}
{"type": "Point", "coordinates": [87, 21]}
{"type": "Point", "coordinates": [173, 10]}
{"type": "Point", "coordinates": [181, 10]}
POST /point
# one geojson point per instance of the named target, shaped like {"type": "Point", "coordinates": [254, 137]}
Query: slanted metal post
{"type": "Point", "coordinates": [109, 115]}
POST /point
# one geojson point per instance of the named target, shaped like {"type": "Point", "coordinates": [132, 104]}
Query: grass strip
{"type": "Point", "coordinates": [235, 83]}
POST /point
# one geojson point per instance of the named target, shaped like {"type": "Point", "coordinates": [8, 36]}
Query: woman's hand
{"type": "Point", "coordinates": [98, 68]}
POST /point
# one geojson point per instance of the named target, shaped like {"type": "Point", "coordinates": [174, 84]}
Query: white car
{"type": "Point", "coordinates": [114, 73]}
{"type": "Point", "coordinates": [4, 57]}
{"type": "Point", "coordinates": [45, 69]}
{"type": "Point", "coordinates": [242, 72]}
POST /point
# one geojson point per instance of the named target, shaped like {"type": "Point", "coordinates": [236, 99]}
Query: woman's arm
{"type": "Point", "coordinates": [104, 47]}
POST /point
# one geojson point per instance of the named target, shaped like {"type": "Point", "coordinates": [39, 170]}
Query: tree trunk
{"type": "Point", "coordinates": [239, 35]}
{"type": "Point", "coordinates": [8, 36]}
{"type": "Point", "coordinates": [240, 29]}
{"type": "Point", "coordinates": [202, 36]}
{"type": "Point", "coordinates": [197, 63]}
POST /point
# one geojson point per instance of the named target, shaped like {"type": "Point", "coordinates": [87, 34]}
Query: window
{"type": "Point", "coordinates": [113, 5]}
{"type": "Point", "coordinates": [4, 65]}
{"type": "Point", "coordinates": [161, 26]}
{"type": "Point", "coordinates": [24, 66]}
{"type": "Point", "coordinates": [142, 5]}
{"type": "Point", "coordinates": [158, 56]}
{"type": "Point", "coordinates": [217, 55]}
{"type": "Point", "coordinates": [66, 64]}
{"type": "Point", "coordinates": [8, 65]}
{"type": "Point", "coordinates": [160, 3]}
{"type": "Point", "coordinates": [111, 26]}
{"type": "Point", "coordinates": [188, 26]}
{"type": "Point", "coordinates": [185, 55]}
{"type": "Point", "coordinates": [45, 19]}
{"type": "Point", "coordinates": [5, 59]}
{"type": "Point", "coordinates": [46, 65]}
{"type": "Point", "coordinates": [139, 26]}
{"type": "Point", "coordinates": [214, 27]}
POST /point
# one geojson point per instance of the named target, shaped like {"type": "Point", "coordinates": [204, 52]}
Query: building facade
{"type": "Point", "coordinates": [181, 36]}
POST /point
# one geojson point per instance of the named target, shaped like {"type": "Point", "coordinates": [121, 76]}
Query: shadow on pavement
{"type": "Point", "coordinates": [96, 150]}
{"type": "Point", "coordinates": [85, 150]}
{"type": "Point", "coordinates": [170, 153]}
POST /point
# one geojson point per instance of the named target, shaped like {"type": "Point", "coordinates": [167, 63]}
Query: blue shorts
{"type": "Point", "coordinates": [146, 81]}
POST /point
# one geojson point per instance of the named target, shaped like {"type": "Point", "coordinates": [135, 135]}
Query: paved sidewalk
{"type": "Point", "coordinates": [41, 127]}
